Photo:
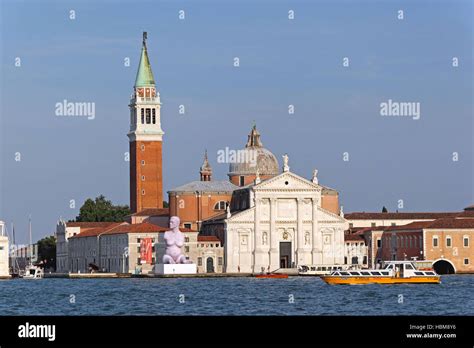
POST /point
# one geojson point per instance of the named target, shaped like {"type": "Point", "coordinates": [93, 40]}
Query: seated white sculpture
{"type": "Point", "coordinates": [174, 240]}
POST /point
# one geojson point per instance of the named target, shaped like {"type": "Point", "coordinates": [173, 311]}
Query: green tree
{"type": "Point", "coordinates": [165, 204]}
{"type": "Point", "coordinates": [101, 209]}
{"type": "Point", "coordinates": [384, 210]}
{"type": "Point", "coordinates": [47, 252]}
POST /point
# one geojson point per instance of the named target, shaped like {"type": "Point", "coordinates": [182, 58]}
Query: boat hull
{"type": "Point", "coordinates": [333, 280]}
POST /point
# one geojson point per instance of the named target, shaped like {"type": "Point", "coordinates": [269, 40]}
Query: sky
{"type": "Point", "coordinates": [47, 57]}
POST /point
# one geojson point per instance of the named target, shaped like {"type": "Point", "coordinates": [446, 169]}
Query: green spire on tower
{"type": "Point", "coordinates": [144, 75]}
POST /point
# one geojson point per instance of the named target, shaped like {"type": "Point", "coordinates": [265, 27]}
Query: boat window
{"type": "Point", "coordinates": [408, 266]}
{"type": "Point", "coordinates": [336, 273]}
{"type": "Point", "coordinates": [365, 273]}
{"type": "Point", "coordinates": [429, 273]}
{"type": "Point", "coordinates": [354, 273]}
{"type": "Point", "coordinates": [344, 273]}
{"type": "Point", "coordinates": [384, 273]}
{"type": "Point", "coordinates": [313, 268]}
{"type": "Point", "coordinates": [389, 266]}
{"type": "Point", "coordinates": [323, 268]}
{"type": "Point", "coordinates": [375, 273]}
{"type": "Point", "coordinates": [419, 273]}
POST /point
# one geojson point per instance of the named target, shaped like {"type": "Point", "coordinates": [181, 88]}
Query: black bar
{"type": "Point", "coordinates": [367, 330]}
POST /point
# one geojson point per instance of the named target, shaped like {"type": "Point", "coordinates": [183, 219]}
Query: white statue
{"type": "Point", "coordinates": [286, 167]}
{"type": "Point", "coordinates": [341, 211]}
{"type": "Point", "coordinates": [315, 176]}
{"type": "Point", "coordinates": [174, 240]}
{"type": "Point", "coordinates": [257, 177]}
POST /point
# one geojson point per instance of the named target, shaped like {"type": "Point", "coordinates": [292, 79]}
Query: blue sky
{"type": "Point", "coordinates": [282, 62]}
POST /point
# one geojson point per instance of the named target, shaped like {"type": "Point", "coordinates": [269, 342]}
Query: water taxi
{"type": "Point", "coordinates": [393, 272]}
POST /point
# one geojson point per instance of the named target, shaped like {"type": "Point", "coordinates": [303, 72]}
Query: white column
{"type": "Point", "coordinates": [274, 238]}
{"type": "Point", "coordinates": [299, 231]}
{"type": "Point", "coordinates": [316, 239]}
{"type": "Point", "coordinates": [258, 250]}
{"type": "Point", "coordinates": [229, 264]}
{"type": "Point", "coordinates": [340, 243]}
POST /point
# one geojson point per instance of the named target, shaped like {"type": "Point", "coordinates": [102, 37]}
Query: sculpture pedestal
{"type": "Point", "coordinates": [179, 268]}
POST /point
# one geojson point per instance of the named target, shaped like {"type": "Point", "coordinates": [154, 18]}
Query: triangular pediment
{"type": "Point", "coordinates": [287, 181]}
{"type": "Point", "coordinates": [327, 216]}
{"type": "Point", "coordinates": [244, 215]}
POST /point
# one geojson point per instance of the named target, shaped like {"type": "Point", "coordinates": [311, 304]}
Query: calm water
{"type": "Point", "coordinates": [232, 296]}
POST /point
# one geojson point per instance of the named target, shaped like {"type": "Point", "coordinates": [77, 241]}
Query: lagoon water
{"type": "Point", "coordinates": [232, 296]}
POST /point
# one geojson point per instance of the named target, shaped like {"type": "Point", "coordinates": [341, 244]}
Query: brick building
{"type": "Point", "coordinates": [447, 242]}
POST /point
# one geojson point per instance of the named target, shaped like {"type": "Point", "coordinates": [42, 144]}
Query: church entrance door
{"type": "Point", "coordinates": [285, 254]}
{"type": "Point", "coordinates": [210, 265]}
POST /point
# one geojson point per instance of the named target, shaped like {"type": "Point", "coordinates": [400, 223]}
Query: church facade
{"type": "Point", "coordinates": [278, 223]}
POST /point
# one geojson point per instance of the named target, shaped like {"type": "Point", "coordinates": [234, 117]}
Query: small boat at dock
{"type": "Point", "coordinates": [393, 272]}
{"type": "Point", "coordinates": [33, 272]}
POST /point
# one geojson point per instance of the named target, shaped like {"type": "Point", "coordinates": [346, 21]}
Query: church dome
{"type": "Point", "coordinates": [254, 158]}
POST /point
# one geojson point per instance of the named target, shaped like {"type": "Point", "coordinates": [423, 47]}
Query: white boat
{"type": "Point", "coordinates": [393, 272]}
{"type": "Point", "coordinates": [320, 270]}
{"type": "Point", "coordinates": [33, 272]}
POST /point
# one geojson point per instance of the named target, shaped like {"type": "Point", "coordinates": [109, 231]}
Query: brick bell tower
{"type": "Point", "coordinates": [146, 171]}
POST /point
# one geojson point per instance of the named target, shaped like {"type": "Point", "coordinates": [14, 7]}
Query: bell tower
{"type": "Point", "coordinates": [145, 136]}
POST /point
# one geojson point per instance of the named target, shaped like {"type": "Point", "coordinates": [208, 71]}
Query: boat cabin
{"type": "Point", "coordinates": [397, 269]}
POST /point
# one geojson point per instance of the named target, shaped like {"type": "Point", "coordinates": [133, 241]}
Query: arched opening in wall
{"type": "Point", "coordinates": [210, 265]}
{"type": "Point", "coordinates": [443, 267]}
{"type": "Point", "coordinates": [355, 260]}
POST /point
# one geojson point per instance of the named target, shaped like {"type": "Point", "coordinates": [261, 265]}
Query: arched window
{"type": "Point", "coordinates": [221, 205]}
{"type": "Point", "coordinates": [148, 116]}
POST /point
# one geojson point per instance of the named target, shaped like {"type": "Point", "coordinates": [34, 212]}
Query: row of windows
{"type": "Point", "coordinates": [186, 240]}
{"type": "Point", "coordinates": [148, 116]}
{"type": "Point", "coordinates": [449, 242]}
{"type": "Point", "coordinates": [409, 241]}
{"type": "Point", "coordinates": [413, 241]}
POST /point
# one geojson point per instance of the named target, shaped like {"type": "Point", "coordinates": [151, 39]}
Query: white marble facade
{"type": "Point", "coordinates": [291, 228]}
